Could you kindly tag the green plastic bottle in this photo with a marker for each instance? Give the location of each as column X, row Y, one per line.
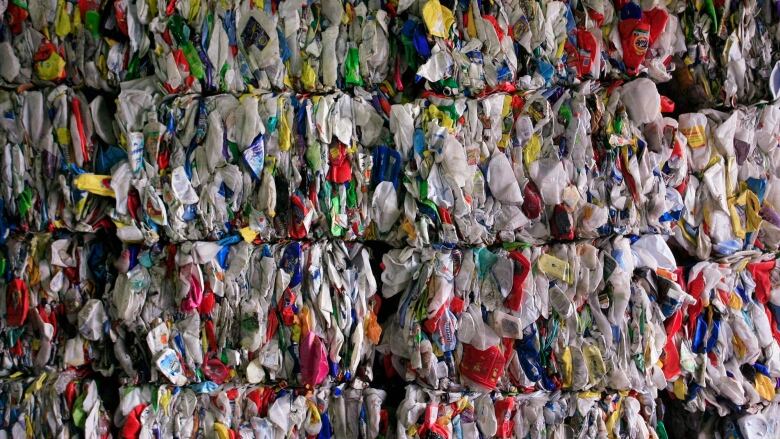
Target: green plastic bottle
column 196, row 65
column 181, row 34
column 353, row 67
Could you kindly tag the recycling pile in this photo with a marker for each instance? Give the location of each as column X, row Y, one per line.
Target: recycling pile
column 413, row 219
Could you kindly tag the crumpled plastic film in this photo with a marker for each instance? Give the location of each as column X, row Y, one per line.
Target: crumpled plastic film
column 616, row 315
